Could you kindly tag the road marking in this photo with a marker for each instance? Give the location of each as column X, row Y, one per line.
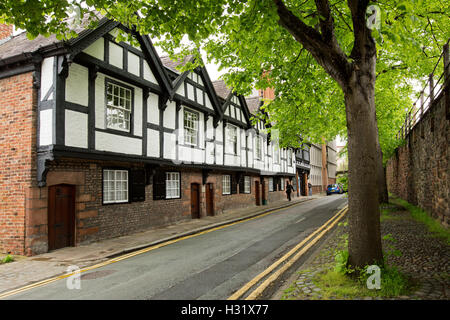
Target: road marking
column 325, row 227
column 300, row 220
column 135, row 253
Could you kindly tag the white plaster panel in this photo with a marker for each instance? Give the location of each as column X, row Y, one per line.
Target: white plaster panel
column 180, row 90
column 148, row 74
column 219, row 131
column 46, row 76
column 169, row 145
column 209, row 128
column 77, row 84
column 190, row 92
column 219, row 154
column 210, row 152
column 199, row 96
column 152, row 109
column 152, row 143
column 116, row 143
column 76, row 129
column 133, row 64
column 100, row 101
column 96, row 49
column 46, row 127
column 115, row 55
column 208, row 102
column 169, row 115
column 137, row 112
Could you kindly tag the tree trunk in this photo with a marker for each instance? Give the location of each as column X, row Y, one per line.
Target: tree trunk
column 364, row 242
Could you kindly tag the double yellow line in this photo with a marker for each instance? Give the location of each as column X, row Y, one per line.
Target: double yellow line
column 310, row 240
column 134, row 253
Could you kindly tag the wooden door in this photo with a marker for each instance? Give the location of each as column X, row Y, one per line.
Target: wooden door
column 195, row 201
column 61, row 216
column 263, row 192
column 257, row 194
column 209, row 195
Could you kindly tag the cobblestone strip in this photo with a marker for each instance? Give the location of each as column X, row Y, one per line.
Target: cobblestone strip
column 424, row 258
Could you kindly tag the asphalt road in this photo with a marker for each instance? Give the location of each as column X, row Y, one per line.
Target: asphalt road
column 208, row 266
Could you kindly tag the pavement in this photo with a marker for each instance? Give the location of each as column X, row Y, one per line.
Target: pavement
column 424, row 259
column 28, row 270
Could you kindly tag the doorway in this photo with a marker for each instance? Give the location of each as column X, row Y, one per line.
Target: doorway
column 195, row 201
column 61, row 216
column 209, row 195
column 257, row 194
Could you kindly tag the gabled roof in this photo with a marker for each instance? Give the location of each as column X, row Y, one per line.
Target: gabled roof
column 20, row 45
column 225, row 93
column 20, row 48
column 253, row 104
column 172, row 65
column 221, row 89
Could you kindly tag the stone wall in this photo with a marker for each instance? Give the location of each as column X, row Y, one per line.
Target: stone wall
column 419, row 170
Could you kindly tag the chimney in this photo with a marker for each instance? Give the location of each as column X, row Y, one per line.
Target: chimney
column 6, row 31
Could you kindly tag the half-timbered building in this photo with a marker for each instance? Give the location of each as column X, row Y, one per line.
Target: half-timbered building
column 101, row 138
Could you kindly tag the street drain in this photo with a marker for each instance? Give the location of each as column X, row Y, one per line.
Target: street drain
column 96, row 274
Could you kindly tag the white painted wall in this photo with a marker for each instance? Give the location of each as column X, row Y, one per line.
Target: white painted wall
column 152, row 109
column 152, row 143
column 46, row 127
column 96, row 49
column 115, row 55
column 100, row 101
column 169, row 115
column 133, row 64
column 46, row 77
column 137, row 113
column 76, row 129
column 148, row 75
column 77, row 84
column 115, row 143
column 169, row 145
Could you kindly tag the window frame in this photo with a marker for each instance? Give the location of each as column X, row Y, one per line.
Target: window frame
column 197, row 114
column 166, row 185
column 128, row 200
column 223, row 184
column 109, row 81
column 258, row 147
column 271, row 184
column 249, row 184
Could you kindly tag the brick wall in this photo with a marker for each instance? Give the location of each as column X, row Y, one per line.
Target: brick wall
column 96, row 221
column 17, row 157
column 6, row 30
column 419, row 171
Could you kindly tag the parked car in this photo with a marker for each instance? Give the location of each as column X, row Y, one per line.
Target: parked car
column 334, row 188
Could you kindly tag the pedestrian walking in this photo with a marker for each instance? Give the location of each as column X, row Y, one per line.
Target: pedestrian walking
column 310, row 188
column 289, row 190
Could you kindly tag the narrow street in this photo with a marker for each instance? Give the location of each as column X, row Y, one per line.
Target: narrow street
column 212, row 265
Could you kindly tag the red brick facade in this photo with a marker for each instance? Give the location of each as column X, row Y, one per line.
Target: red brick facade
column 18, row 159
column 96, row 221
column 6, row 30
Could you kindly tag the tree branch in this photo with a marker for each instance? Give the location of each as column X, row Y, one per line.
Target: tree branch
column 327, row 53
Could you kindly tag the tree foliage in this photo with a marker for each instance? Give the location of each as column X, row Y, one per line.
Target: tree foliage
column 246, row 38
